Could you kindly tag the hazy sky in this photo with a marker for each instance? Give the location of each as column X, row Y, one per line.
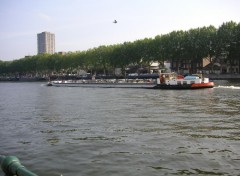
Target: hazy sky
column 83, row 24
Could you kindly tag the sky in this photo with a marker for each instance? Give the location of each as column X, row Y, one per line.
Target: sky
column 80, row 25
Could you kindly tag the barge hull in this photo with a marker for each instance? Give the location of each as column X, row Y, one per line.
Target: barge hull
column 104, row 85
column 187, row 86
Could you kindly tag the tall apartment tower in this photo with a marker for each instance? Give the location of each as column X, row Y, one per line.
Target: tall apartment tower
column 46, row 43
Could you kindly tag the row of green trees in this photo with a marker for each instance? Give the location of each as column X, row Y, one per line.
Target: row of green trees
column 194, row 44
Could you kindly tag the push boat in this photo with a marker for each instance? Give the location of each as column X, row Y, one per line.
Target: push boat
column 165, row 81
column 173, row 81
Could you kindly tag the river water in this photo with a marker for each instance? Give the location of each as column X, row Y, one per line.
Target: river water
column 121, row 132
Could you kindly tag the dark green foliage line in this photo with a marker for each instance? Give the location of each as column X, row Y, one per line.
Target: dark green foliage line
column 193, row 45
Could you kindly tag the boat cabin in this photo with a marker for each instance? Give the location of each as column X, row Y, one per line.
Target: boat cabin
column 174, row 79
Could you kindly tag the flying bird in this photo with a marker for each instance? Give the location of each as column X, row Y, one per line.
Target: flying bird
column 115, row 21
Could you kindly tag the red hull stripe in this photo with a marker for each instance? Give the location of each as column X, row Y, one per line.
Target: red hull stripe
column 210, row 84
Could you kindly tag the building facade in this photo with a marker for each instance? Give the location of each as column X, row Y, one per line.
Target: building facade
column 188, row 66
column 218, row 66
column 46, row 43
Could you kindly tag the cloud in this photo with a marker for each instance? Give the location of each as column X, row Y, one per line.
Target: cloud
column 44, row 17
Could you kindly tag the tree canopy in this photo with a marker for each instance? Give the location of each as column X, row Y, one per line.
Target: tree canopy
column 193, row 44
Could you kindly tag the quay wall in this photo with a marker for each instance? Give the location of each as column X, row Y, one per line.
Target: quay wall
column 35, row 79
column 222, row 76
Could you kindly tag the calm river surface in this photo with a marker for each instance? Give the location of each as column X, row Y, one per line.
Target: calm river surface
column 121, row 132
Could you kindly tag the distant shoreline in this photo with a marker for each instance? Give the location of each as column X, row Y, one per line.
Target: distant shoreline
column 39, row 79
column 222, row 76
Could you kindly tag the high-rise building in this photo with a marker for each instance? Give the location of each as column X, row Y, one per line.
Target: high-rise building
column 46, row 43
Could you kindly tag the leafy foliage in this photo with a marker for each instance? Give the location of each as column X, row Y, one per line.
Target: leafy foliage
column 193, row 45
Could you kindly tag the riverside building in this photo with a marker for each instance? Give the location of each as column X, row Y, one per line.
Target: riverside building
column 46, row 43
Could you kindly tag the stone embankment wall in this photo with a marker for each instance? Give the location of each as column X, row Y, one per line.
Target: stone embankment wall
column 223, row 76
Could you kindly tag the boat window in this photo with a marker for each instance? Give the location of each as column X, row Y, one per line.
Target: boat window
column 184, row 82
column 179, row 82
column 192, row 82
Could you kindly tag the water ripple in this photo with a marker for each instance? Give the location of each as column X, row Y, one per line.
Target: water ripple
column 88, row 131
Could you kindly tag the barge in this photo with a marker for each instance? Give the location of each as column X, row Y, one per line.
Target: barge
column 164, row 81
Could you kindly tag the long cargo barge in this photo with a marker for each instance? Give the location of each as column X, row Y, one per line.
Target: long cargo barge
column 164, row 81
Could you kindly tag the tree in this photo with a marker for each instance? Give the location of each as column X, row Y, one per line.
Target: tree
column 178, row 46
column 227, row 43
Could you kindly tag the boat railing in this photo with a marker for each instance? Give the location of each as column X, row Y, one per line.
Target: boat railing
column 11, row 166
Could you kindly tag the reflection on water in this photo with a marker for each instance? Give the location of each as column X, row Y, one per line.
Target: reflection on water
column 87, row 131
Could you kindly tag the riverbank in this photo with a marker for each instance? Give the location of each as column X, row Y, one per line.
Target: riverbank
column 23, row 79
column 37, row 79
column 222, row 76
